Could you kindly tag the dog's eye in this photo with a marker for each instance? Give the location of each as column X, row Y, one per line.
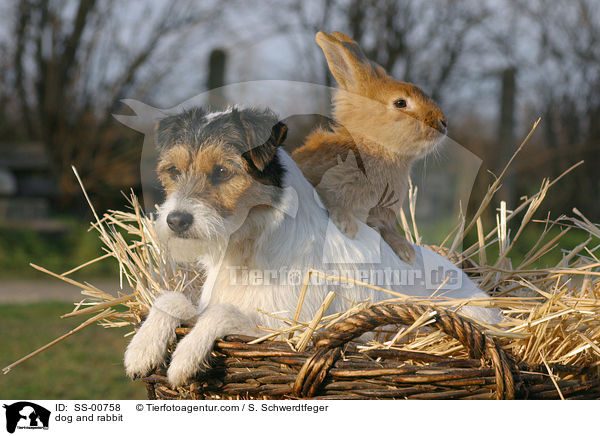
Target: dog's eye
column 173, row 172
column 400, row 103
column 220, row 174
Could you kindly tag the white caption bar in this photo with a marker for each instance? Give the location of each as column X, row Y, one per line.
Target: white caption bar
column 283, row 418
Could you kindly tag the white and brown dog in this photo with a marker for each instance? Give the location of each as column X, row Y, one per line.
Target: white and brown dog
column 238, row 204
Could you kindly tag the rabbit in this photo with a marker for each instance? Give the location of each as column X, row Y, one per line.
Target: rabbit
column 361, row 165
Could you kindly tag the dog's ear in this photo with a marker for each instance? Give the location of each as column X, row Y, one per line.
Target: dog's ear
column 279, row 133
column 263, row 154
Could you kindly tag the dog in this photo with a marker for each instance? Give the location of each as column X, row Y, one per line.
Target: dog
column 237, row 204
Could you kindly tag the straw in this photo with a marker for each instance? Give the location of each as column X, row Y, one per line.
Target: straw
column 551, row 313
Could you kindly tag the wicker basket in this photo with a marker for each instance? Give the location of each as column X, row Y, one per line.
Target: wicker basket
column 334, row 369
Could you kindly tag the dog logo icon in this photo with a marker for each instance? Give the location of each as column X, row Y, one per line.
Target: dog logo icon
column 26, row 415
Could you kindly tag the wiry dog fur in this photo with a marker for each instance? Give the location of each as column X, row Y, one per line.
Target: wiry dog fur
column 227, row 171
column 361, row 167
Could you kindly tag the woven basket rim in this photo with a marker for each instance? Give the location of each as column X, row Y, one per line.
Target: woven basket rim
column 508, row 377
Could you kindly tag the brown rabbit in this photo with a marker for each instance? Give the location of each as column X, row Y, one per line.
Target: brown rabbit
column 360, row 168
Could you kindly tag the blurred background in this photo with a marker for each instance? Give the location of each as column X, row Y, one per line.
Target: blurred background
column 493, row 66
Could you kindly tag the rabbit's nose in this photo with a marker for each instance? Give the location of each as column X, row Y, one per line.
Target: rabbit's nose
column 442, row 125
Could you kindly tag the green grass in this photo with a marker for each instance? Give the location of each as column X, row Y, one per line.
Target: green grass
column 88, row 365
column 56, row 252
column 527, row 241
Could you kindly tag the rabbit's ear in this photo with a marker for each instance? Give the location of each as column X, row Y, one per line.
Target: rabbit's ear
column 341, row 36
column 346, row 60
column 351, row 45
column 355, row 49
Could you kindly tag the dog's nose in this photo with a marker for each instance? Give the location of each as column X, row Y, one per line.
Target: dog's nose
column 179, row 221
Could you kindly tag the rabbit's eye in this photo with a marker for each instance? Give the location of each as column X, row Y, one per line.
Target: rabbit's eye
column 400, row 103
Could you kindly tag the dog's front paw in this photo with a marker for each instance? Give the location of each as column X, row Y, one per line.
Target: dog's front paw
column 344, row 221
column 401, row 246
column 148, row 348
column 190, row 358
column 144, row 353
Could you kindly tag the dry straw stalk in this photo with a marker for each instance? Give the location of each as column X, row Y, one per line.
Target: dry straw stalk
column 552, row 314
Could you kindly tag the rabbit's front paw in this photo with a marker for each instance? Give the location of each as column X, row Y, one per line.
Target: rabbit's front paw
column 401, row 246
column 190, row 358
column 344, row 221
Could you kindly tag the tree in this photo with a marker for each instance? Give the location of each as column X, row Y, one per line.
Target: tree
column 421, row 42
column 564, row 80
column 73, row 62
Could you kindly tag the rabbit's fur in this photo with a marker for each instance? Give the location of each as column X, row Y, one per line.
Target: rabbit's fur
column 360, row 168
